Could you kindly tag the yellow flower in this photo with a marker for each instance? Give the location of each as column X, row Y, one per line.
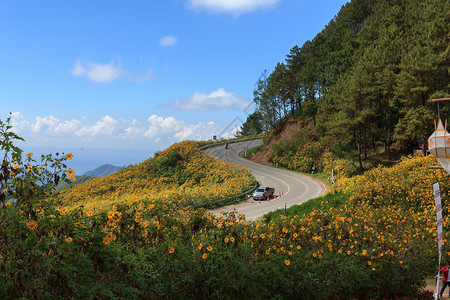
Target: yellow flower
column 106, row 240
column 268, row 251
column 171, row 249
column 287, row 262
column 232, row 239
column 72, row 178
column 70, row 172
column 30, row 154
column 16, row 167
column 7, row 204
column 226, row 240
column 204, row 256
column 209, row 248
column 69, row 240
column 32, row 225
column 69, row 155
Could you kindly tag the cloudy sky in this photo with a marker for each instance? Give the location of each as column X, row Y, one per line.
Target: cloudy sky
column 142, row 74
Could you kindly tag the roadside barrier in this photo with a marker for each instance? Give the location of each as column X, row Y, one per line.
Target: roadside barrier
column 230, row 142
column 226, row 199
column 235, row 196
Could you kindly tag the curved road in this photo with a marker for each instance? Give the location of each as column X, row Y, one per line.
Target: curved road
column 296, row 188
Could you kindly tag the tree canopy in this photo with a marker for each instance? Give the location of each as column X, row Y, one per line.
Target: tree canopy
column 367, row 77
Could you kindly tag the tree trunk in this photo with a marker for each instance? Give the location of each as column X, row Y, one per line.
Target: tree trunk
column 365, row 142
column 389, row 146
column 424, row 146
column 360, row 152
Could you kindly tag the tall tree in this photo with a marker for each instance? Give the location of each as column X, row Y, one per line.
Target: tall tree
column 253, row 125
column 265, row 100
column 368, row 76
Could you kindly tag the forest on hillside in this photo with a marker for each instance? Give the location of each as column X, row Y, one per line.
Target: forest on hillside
column 367, row 79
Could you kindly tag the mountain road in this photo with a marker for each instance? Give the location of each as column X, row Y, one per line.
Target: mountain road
column 295, row 188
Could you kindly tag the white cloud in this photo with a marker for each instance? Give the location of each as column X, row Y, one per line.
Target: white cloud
column 106, row 127
column 200, row 131
column 78, row 70
column 234, row 7
column 155, row 132
column 44, row 129
column 44, row 124
column 216, row 100
column 67, row 126
column 162, row 126
column 19, row 123
column 168, row 40
column 97, row 72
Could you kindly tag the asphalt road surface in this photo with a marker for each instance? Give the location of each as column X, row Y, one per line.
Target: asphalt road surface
column 295, row 188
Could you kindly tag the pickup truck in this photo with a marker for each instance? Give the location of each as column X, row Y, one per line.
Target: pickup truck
column 263, row 192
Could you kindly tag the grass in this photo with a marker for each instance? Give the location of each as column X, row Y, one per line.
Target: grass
column 251, row 151
column 331, row 200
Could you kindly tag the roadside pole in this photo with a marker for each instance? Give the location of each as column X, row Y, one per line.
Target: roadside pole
column 439, row 146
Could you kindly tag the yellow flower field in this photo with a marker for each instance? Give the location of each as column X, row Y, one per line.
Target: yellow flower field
column 181, row 174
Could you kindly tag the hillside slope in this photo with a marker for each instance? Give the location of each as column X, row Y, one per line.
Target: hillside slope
column 367, row 79
column 103, row 170
column 283, row 132
column 181, row 175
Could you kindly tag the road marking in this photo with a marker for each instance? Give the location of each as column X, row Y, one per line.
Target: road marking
column 248, row 207
column 288, row 201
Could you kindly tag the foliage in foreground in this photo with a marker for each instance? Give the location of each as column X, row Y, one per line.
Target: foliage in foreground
column 146, row 249
column 367, row 247
column 397, row 204
column 142, row 250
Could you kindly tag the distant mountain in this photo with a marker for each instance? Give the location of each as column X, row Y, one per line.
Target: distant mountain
column 62, row 185
column 103, row 170
column 89, row 175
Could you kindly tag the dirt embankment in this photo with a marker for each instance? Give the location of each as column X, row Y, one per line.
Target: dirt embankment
column 284, row 131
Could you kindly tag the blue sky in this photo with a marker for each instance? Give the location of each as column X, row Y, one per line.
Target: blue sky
column 138, row 74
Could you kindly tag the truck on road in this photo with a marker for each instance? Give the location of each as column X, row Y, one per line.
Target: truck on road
column 263, row 192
